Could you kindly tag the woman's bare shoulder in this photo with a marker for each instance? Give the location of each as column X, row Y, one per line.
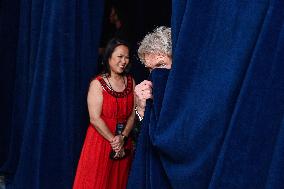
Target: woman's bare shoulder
column 95, row 85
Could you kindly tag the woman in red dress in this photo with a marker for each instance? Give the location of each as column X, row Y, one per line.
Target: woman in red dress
column 110, row 103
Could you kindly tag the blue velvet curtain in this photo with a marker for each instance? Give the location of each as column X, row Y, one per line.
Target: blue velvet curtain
column 147, row 170
column 221, row 120
column 57, row 55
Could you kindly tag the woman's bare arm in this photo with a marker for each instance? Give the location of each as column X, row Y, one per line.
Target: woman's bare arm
column 95, row 102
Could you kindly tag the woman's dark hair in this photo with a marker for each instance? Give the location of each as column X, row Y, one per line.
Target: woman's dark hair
column 111, row 45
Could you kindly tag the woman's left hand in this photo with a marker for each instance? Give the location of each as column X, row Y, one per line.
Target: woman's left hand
column 120, row 153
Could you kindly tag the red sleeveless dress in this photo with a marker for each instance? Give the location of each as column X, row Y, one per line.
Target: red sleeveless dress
column 95, row 169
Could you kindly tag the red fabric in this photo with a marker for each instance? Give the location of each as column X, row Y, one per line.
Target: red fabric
column 95, row 169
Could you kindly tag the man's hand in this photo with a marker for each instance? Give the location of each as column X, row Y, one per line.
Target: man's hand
column 143, row 91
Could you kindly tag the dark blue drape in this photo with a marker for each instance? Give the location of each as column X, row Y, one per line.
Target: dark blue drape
column 57, row 52
column 222, row 115
column 147, row 170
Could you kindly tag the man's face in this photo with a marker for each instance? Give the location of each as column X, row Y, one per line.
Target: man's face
column 153, row 61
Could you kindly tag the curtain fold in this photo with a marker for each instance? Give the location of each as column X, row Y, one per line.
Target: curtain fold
column 220, row 124
column 220, row 131
column 57, row 55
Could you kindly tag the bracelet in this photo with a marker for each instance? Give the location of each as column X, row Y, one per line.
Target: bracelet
column 137, row 113
column 124, row 138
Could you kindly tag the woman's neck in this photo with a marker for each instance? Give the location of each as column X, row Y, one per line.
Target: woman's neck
column 116, row 82
column 116, row 77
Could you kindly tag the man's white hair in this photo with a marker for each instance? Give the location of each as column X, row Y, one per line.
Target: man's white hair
column 157, row 42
